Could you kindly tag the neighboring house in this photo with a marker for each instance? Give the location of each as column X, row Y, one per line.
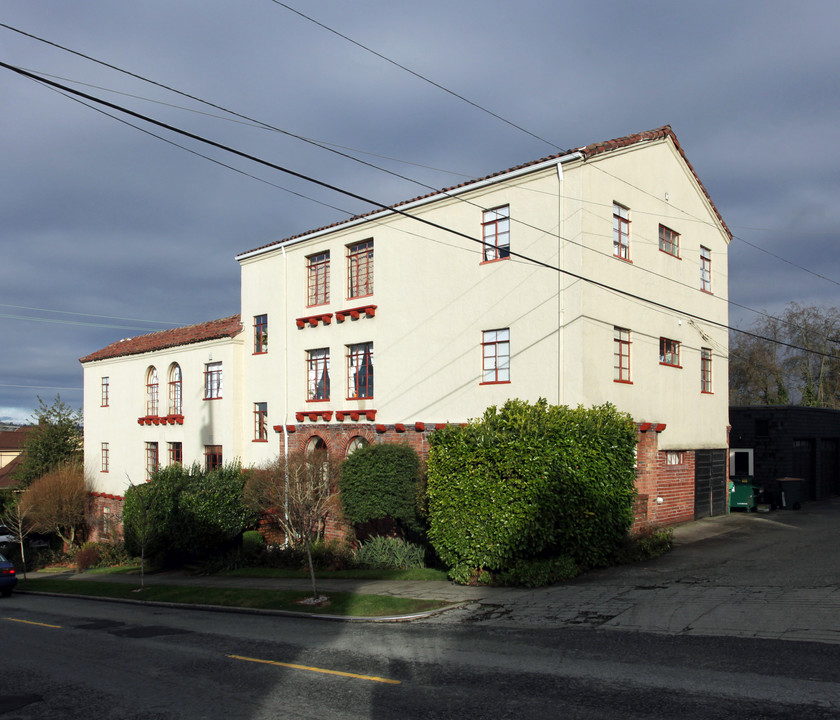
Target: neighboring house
column 770, row 442
column 12, row 442
column 599, row 275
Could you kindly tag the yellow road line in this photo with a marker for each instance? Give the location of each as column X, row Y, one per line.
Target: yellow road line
column 318, row 670
column 30, row 622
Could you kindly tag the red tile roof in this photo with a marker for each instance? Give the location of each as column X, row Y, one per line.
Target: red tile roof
column 14, row 439
column 214, row 330
column 587, row 151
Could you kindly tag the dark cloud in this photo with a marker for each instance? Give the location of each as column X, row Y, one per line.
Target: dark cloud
column 100, row 219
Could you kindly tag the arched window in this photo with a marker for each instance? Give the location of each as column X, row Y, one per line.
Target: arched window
column 152, row 391
column 356, row 443
column 315, row 443
column 175, row 390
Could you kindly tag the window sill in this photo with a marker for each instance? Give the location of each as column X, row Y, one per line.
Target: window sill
column 261, row 352
column 260, row 440
column 495, row 260
column 670, row 254
column 214, row 398
column 623, row 382
column 359, row 297
column 667, row 364
column 318, row 400
column 627, row 260
column 708, row 292
column 495, row 382
column 707, row 392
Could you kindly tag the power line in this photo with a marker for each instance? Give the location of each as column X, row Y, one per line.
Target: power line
column 354, row 195
column 417, row 75
column 388, row 208
column 324, row 145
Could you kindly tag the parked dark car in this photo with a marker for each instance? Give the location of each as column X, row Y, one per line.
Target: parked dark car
column 8, row 577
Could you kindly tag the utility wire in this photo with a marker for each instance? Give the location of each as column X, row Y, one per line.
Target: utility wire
column 323, row 145
column 417, row 75
column 393, row 209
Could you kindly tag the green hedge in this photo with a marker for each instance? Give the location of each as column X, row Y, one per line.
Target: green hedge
column 531, row 481
column 379, row 482
column 185, row 513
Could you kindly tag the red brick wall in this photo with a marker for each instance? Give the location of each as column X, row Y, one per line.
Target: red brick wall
column 655, row 479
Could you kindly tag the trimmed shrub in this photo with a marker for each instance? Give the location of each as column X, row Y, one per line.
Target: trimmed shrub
column 185, row 513
column 380, row 482
column 325, row 556
column 389, row 553
column 531, row 481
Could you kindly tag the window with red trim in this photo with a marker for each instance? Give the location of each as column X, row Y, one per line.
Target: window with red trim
column 495, row 352
column 674, row 457
column 152, row 391
column 495, row 231
column 212, row 381
column 669, row 241
column 176, row 394
column 318, row 374
column 360, row 371
column 318, row 269
column 669, row 352
column 705, row 269
column 705, row 370
column 152, row 460
column 106, row 457
column 260, row 421
column 621, row 231
column 260, row 334
column 360, row 269
column 212, row 457
column 106, row 392
column 176, row 453
column 621, row 354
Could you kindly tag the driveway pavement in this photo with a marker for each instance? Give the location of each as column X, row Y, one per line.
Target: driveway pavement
column 774, row 575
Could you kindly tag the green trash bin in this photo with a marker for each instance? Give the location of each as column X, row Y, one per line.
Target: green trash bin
column 743, row 494
column 793, row 492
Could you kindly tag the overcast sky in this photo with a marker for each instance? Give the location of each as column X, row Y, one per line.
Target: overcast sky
column 108, row 232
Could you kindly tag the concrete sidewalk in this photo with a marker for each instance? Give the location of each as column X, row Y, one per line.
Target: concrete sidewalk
column 743, row 574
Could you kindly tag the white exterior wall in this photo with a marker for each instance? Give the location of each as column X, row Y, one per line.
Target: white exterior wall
column 434, row 298
column 206, row 422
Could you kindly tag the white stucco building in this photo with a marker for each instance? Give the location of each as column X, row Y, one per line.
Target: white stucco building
column 595, row 276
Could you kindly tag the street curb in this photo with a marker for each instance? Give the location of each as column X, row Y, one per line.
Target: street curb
column 251, row 611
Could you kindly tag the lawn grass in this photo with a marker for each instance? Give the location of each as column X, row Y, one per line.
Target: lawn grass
column 339, row 603
column 427, row 574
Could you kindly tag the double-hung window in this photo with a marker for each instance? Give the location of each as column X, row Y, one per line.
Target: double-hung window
column 212, row 457
column 261, row 421
column 260, row 334
column 176, row 453
column 496, row 233
column 152, row 391
column 212, row 381
column 705, row 269
column 152, row 460
column 495, row 351
column 360, row 269
column 176, row 394
column 360, row 371
column 706, row 370
column 621, row 355
column 621, row 231
column 318, row 270
column 318, row 374
column 669, row 241
column 669, row 352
